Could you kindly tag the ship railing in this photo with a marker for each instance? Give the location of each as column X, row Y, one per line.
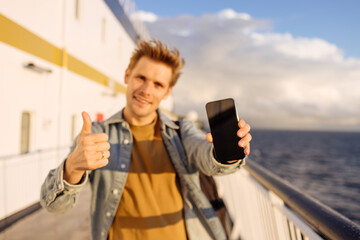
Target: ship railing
column 264, row 206
column 21, row 176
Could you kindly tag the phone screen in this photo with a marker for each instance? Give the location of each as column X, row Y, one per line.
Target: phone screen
column 223, row 123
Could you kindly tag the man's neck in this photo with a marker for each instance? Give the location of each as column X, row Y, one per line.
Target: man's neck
column 138, row 121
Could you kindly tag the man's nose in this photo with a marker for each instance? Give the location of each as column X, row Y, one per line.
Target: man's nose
column 146, row 87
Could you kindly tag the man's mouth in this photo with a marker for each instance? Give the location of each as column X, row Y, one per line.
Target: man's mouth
column 142, row 100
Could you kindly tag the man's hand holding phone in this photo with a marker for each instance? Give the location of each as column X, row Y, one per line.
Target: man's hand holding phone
column 243, row 133
column 230, row 136
column 91, row 152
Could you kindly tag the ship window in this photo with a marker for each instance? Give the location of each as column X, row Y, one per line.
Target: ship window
column 25, row 133
column 73, row 127
column 103, row 30
column 77, row 9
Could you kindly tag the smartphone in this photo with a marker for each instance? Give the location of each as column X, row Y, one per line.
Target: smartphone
column 223, row 122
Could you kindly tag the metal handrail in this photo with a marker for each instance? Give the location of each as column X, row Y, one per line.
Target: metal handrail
column 327, row 221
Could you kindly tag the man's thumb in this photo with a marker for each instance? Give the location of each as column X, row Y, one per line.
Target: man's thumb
column 86, row 123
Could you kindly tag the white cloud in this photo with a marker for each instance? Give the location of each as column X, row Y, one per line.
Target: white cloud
column 144, row 16
column 181, row 32
column 231, row 14
column 303, row 48
column 277, row 80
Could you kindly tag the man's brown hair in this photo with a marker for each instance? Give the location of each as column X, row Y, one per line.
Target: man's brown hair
column 157, row 51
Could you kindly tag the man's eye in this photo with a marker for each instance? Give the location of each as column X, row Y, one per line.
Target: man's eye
column 159, row 84
column 141, row 78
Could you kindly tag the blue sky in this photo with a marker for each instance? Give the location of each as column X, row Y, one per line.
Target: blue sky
column 288, row 66
column 335, row 21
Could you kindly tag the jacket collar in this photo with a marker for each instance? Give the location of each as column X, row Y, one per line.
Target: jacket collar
column 116, row 118
column 166, row 121
column 119, row 118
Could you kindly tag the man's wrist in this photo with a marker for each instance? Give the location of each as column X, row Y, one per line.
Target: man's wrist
column 72, row 176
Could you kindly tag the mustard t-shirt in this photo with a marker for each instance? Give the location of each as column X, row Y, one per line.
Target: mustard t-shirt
column 151, row 206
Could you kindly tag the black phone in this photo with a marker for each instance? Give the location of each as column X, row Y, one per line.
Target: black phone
column 223, row 121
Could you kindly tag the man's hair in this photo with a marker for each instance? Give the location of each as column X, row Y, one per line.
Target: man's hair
column 159, row 52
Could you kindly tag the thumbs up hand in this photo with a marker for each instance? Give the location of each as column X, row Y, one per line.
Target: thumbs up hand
column 91, row 152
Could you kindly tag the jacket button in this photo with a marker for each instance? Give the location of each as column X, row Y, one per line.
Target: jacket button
column 115, row 191
column 108, row 214
column 126, row 141
column 122, row 165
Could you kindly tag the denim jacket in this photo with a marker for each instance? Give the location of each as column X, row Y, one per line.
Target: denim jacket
column 188, row 153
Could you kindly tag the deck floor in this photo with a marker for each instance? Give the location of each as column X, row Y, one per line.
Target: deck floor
column 42, row 225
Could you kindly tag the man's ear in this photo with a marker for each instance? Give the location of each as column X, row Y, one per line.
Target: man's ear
column 126, row 77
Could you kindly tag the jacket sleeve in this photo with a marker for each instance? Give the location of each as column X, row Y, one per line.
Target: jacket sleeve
column 200, row 152
column 56, row 194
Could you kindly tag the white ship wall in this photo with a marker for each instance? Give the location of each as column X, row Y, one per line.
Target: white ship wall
column 53, row 98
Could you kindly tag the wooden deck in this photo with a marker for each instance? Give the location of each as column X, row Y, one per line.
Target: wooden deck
column 42, row 225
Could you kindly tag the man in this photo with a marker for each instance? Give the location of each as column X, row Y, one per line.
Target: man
column 143, row 167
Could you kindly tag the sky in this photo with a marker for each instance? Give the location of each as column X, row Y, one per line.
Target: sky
column 287, row 65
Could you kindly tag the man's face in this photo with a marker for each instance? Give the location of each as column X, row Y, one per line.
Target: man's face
column 148, row 84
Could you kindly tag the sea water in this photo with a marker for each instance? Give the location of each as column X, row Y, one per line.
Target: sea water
column 325, row 165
